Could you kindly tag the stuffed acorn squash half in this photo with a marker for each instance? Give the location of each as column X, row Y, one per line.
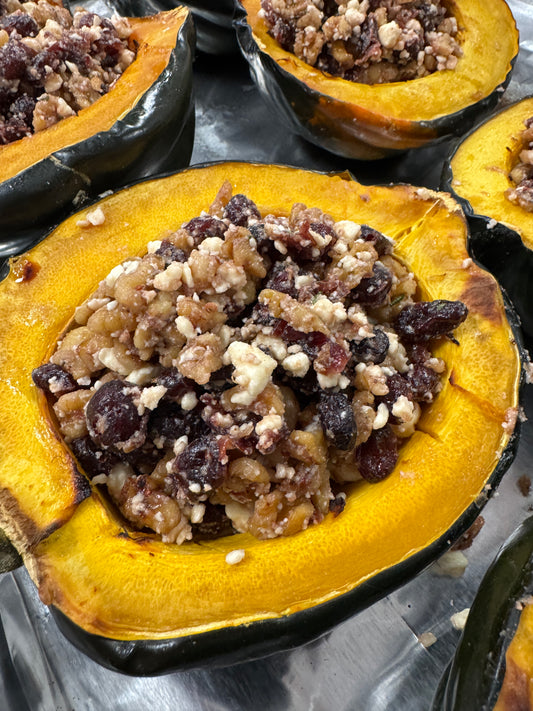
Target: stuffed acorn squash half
column 144, row 592
column 488, row 173
column 493, row 665
column 144, row 123
column 377, row 116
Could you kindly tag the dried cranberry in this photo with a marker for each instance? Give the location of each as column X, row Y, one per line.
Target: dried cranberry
column 53, row 379
column 23, row 108
column 200, row 463
column 21, row 23
column 205, row 226
column 112, row 417
column 168, row 422
column 425, row 320
column 175, row 383
column 423, row 382
column 372, row 349
column 373, row 290
column 377, row 457
column 171, row 253
column 13, row 129
column 381, row 244
column 93, row 460
column 398, row 386
column 14, row 58
column 282, row 278
column 337, row 420
column 240, row 210
column 336, row 505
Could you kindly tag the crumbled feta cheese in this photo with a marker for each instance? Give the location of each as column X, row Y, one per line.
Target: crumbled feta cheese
column 331, row 312
column 296, row 364
column 189, row 401
column 94, row 218
column 459, row 619
column 169, row 279
column 151, row 396
column 234, row 557
column 141, row 376
column 253, row 369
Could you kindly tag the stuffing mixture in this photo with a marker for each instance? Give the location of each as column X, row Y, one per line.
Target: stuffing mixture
column 245, row 369
column 53, row 63
column 368, row 41
column 521, row 175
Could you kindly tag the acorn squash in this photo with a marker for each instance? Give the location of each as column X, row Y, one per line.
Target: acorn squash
column 366, row 122
column 144, row 123
column 477, row 173
column 492, row 667
column 142, row 606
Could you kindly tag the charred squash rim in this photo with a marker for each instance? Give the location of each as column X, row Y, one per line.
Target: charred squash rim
column 394, row 116
column 144, row 121
column 185, row 606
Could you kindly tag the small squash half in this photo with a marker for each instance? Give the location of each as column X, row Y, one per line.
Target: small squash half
column 492, row 667
column 477, row 173
column 371, row 121
column 143, row 124
column 142, row 606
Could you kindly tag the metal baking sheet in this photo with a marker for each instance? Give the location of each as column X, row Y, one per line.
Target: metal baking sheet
column 379, row 659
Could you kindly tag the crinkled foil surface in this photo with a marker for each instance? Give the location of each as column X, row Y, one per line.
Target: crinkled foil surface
column 379, row 660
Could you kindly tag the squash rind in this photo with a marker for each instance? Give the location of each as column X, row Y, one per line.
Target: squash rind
column 154, row 134
column 366, row 122
column 196, row 598
column 476, row 174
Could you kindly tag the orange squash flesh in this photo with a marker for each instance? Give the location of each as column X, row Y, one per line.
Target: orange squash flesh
column 126, row 585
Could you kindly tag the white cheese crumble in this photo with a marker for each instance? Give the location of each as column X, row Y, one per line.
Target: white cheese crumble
column 297, row 364
column 189, row 401
column 94, row 218
column 253, row 369
column 151, row 396
column 459, row 619
column 332, row 313
column 141, row 376
column 234, row 557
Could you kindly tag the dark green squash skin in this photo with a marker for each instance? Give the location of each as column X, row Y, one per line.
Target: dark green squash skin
column 243, row 643
column 156, row 134
column 475, row 674
column 297, row 103
column 501, row 251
